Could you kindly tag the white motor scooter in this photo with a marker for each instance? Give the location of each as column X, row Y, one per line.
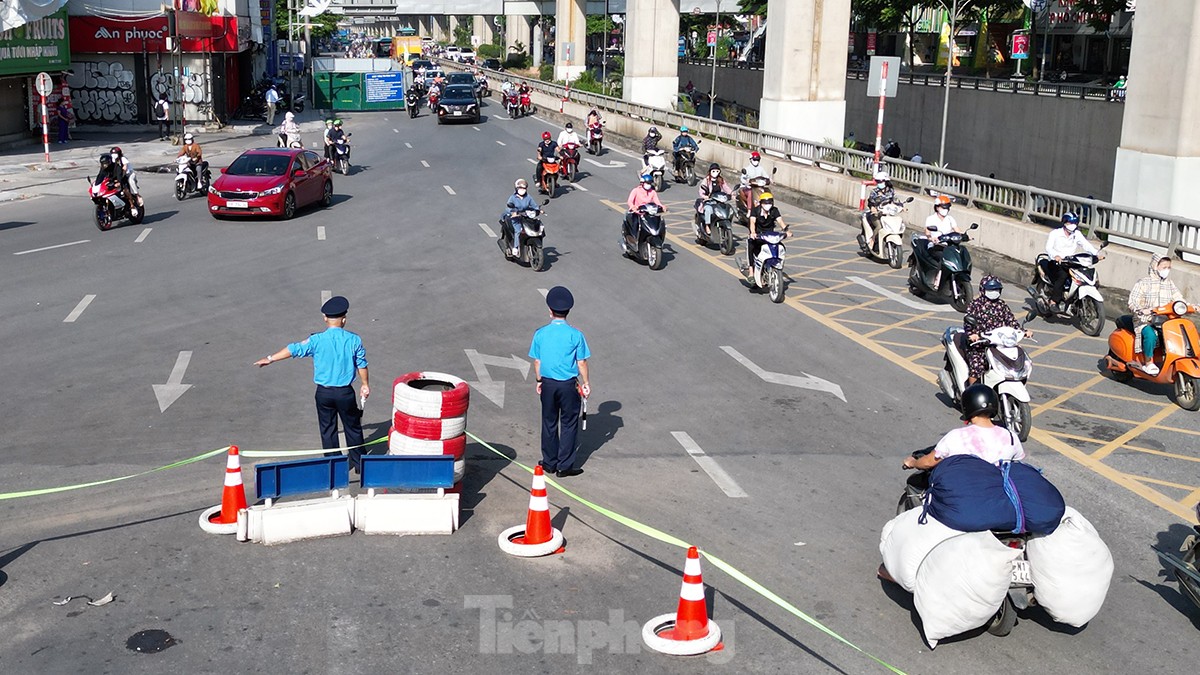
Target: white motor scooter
column 1008, row 371
column 889, row 240
column 656, row 166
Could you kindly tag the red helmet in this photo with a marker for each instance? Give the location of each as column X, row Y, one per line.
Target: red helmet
column 545, row 135
column 755, row 155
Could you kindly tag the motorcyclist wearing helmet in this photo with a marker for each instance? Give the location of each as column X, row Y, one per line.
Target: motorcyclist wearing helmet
column 337, row 133
column 289, row 131
column 640, row 196
column 713, row 183
column 683, row 140
column 1148, row 293
column 130, row 177
column 518, row 201
column 547, row 150
column 764, row 217
column 881, row 194
column 594, row 119
column 112, row 171
column 986, row 312
column 568, row 136
column 1063, row 242
column 329, row 128
column 979, row 437
column 751, row 171
column 192, row 149
column 941, row 222
column 649, row 144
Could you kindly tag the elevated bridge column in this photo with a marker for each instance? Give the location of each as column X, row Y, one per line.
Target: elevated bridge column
column 1158, row 160
column 570, row 39
column 652, row 52
column 423, row 26
column 516, row 29
column 804, row 74
column 441, row 28
column 482, row 28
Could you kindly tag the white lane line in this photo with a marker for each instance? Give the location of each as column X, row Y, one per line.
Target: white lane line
column 395, row 131
column 142, row 237
column 475, row 128
column 83, row 304
column 907, row 302
column 48, row 248
column 544, row 291
column 501, row 143
column 531, row 160
column 578, row 187
column 710, row 466
column 325, row 296
column 487, row 230
column 320, row 233
column 408, row 145
column 449, row 190
column 425, row 164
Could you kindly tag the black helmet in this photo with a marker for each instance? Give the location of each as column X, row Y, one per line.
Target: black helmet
column 990, row 283
column 106, row 161
column 714, row 167
column 979, row 399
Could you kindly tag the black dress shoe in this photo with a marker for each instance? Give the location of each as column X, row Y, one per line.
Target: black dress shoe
column 567, row 473
column 546, row 469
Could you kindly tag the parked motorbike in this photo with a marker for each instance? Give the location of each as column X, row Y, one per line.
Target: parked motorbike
column 187, row 181
column 595, row 139
column 720, row 225
column 949, row 277
column 1175, row 356
column 531, row 233
column 413, row 103
column 1082, row 301
column 341, row 155
column 656, row 166
column 1020, row 590
column 113, row 204
column 513, row 105
column 646, row 243
column 766, row 270
column 686, row 169
column 889, row 239
column 748, row 197
column 1007, row 373
column 570, row 161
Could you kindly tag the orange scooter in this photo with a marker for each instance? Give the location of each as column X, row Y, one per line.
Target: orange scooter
column 550, row 169
column 1175, row 356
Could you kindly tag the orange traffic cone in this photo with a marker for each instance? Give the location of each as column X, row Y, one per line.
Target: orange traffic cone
column 537, row 537
column 222, row 519
column 688, row 631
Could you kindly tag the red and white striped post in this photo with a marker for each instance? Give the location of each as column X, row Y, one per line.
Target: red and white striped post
column 43, row 85
column 883, row 76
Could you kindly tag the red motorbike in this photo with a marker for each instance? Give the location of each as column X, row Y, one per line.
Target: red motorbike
column 113, row 203
column 526, row 104
column 513, row 104
column 595, row 139
column 433, row 101
column 570, row 161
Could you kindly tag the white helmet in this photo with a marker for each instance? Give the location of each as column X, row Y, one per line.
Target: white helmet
column 521, row 184
column 881, row 176
column 288, row 116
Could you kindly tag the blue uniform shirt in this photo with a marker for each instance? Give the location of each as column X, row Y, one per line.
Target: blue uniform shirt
column 336, row 353
column 559, row 347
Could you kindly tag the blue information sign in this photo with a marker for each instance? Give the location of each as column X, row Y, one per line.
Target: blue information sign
column 383, row 87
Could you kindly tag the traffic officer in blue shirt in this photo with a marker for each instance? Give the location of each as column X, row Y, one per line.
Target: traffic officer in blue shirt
column 337, row 354
column 560, row 355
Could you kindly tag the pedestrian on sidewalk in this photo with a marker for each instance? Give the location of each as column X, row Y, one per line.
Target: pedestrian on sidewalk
column 560, row 367
column 337, row 356
column 64, row 115
column 162, row 112
column 272, row 98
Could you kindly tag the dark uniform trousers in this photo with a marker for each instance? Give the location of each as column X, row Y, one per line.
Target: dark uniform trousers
column 334, row 402
column 560, row 423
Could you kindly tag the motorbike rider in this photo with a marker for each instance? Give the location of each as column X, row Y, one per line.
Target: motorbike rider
column 640, row 196
column 979, row 436
column 683, row 140
column 941, row 222
column 594, row 119
column 749, row 172
column 649, row 144
column 714, row 182
column 329, row 128
column 568, row 136
column 289, row 131
column 1063, row 242
column 112, row 171
column 546, row 150
column 192, row 149
column 1148, row 293
column 337, row 133
column 985, row 313
column 881, row 194
column 507, row 87
column 129, row 180
column 764, row 217
column 518, row 201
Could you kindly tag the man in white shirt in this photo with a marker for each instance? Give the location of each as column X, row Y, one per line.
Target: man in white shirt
column 1063, row 242
column 941, row 222
column 568, row 135
column 272, row 98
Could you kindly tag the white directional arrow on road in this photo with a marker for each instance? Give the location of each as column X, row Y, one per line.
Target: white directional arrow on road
column 612, row 164
column 174, row 388
column 805, row 381
column 485, row 384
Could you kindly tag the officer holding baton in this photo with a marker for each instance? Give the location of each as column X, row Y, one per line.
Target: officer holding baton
column 560, row 355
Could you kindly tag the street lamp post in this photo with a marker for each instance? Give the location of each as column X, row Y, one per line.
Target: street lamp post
column 712, row 85
column 949, row 66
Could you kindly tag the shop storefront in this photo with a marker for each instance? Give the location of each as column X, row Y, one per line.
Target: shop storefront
column 1072, row 46
column 37, row 46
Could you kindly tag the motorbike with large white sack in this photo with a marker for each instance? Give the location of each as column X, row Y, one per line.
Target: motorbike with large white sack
column 1008, row 372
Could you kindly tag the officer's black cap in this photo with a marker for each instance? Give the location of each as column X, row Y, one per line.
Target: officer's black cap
column 559, row 299
column 335, row 307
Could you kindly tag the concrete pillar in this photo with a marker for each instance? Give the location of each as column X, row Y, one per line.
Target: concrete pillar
column 570, row 39
column 423, row 28
column 516, row 29
column 536, row 50
column 441, row 28
column 652, row 52
column 804, row 73
column 482, row 28
column 1158, row 160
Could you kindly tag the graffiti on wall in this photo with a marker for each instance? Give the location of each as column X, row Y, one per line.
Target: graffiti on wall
column 103, row 91
column 195, row 86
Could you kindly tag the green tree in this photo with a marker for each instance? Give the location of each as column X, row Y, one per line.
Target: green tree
column 758, row 7
column 324, row 24
column 599, row 24
column 462, row 31
column 1101, row 12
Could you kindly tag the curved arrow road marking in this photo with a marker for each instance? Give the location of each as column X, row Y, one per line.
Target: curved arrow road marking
column 907, row 302
column 174, row 388
column 805, row 382
column 612, row 164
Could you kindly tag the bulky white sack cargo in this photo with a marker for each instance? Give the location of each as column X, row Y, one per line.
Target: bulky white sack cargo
column 1071, row 570
column 905, row 542
column 962, row 583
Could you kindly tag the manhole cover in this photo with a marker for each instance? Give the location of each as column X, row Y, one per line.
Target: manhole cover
column 150, row 641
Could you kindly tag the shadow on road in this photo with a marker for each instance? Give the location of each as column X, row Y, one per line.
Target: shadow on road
column 154, row 217
column 14, row 225
column 482, row 466
column 603, row 425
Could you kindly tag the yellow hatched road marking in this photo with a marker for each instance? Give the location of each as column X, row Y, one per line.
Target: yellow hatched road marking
column 1190, row 500
column 1066, row 395
column 1164, row 483
column 899, row 324
column 1135, row 432
column 1061, row 341
column 1089, row 392
column 854, row 307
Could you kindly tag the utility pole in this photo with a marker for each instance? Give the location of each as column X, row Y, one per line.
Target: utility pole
column 712, row 87
column 949, row 66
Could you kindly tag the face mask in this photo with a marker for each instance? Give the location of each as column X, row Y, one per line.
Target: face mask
column 1163, row 274
column 1071, row 227
column 754, row 162
column 942, row 211
column 714, row 174
column 521, row 191
column 992, row 295
column 648, row 186
column 114, row 156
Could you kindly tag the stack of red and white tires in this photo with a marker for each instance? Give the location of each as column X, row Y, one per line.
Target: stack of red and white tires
column 429, row 417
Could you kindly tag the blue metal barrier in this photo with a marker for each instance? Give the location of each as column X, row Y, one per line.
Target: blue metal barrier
column 302, row 476
column 407, row 472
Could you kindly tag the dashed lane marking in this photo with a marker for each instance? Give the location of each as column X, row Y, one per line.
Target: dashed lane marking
column 575, row 186
column 487, row 230
column 718, row 475
column 425, row 164
column 83, row 304
column 320, row 233
column 325, row 296
column 544, row 291
column 395, row 131
column 475, row 128
column 50, row 248
column 142, row 237
column 449, row 190
column 408, row 145
column 501, row 143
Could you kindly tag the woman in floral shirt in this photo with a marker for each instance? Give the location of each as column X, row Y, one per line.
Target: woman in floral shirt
column 986, row 312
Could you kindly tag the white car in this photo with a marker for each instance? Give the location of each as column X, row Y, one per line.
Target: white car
column 466, row 55
column 452, row 53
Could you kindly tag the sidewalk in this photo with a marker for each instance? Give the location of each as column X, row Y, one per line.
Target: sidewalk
column 23, row 168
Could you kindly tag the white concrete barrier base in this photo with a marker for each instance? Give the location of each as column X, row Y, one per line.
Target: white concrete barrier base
column 407, row 513
column 295, row 521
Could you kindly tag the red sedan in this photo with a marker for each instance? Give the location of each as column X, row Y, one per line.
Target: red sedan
column 270, row 181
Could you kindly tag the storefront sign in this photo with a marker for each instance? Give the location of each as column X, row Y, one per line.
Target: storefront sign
column 37, row 45
column 193, row 24
column 98, row 35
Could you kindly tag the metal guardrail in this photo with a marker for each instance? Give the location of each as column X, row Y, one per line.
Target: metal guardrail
column 722, row 63
column 1021, row 202
column 1044, row 88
